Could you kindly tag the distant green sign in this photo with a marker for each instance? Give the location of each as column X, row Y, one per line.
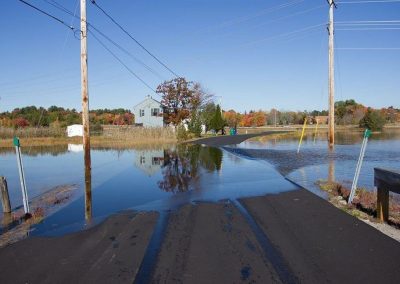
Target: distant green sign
column 16, row 141
column 367, row 133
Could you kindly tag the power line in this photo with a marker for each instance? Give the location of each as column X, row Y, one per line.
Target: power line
column 367, row 29
column 134, row 39
column 368, row 22
column 47, row 14
column 368, row 48
column 120, row 61
column 291, row 15
column 57, row 5
column 126, row 52
column 285, row 34
column 260, row 13
column 368, row 2
column 65, row 10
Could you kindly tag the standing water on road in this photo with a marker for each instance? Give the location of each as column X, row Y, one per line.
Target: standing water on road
column 168, row 177
column 156, row 179
column 316, row 162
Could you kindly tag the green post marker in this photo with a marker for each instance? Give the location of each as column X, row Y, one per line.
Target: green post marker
column 25, row 199
column 16, row 141
column 367, row 134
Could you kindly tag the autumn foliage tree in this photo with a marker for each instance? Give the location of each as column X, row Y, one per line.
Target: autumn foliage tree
column 179, row 98
column 252, row 118
column 232, row 118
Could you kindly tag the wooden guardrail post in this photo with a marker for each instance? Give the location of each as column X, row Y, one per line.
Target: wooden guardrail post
column 385, row 180
column 5, row 199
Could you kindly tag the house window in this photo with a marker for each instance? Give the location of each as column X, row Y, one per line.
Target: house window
column 156, row 161
column 155, row 111
column 142, row 160
column 141, row 112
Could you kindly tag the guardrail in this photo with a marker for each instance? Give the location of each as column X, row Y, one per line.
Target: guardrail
column 385, row 180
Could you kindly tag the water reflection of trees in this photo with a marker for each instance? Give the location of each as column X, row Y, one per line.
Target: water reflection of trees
column 183, row 166
column 34, row 151
column 55, row 150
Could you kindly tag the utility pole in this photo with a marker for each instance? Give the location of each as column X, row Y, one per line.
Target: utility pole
column 331, row 126
column 84, row 80
column 85, row 111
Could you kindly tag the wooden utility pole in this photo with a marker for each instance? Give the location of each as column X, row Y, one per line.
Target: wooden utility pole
column 84, row 81
column 85, row 112
column 331, row 126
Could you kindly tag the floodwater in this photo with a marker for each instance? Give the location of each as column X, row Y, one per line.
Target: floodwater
column 168, row 177
column 316, row 162
column 157, row 179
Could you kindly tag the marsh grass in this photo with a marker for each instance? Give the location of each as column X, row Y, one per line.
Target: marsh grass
column 119, row 137
column 29, row 132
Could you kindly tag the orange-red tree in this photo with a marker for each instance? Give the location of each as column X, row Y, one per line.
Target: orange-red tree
column 179, row 98
column 232, row 118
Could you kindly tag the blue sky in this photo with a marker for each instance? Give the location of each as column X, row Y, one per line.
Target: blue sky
column 254, row 54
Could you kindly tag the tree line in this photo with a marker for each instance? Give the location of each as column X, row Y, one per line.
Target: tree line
column 188, row 103
column 60, row 117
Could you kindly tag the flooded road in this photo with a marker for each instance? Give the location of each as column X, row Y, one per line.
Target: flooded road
column 169, row 177
column 316, row 162
column 229, row 207
column 158, row 179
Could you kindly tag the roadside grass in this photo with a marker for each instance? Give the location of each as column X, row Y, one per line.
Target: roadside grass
column 364, row 202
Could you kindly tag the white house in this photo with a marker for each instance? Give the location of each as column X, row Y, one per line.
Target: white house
column 75, row 130
column 149, row 113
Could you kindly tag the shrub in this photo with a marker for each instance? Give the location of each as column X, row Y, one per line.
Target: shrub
column 181, row 133
column 195, row 124
column 372, row 120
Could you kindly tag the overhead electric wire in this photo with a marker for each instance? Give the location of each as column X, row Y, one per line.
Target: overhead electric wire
column 65, row 10
column 291, row 15
column 368, row 48
column 90, row 26
column 374, row 25
column 57, row 5
column 367, row 2
column 367, row 29
column 47, row 14
column 134, row 39
column 121, row 62
column 285, row 34
column 368, row 22
column 260, row 13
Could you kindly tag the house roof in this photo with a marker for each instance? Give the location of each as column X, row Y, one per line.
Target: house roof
column 146, row 99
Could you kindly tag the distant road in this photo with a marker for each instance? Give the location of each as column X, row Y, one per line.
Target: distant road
column 224, row 140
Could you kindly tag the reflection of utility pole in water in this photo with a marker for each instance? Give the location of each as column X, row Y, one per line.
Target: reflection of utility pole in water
column 85, row 114
column 331, row 171
column 88, row 187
